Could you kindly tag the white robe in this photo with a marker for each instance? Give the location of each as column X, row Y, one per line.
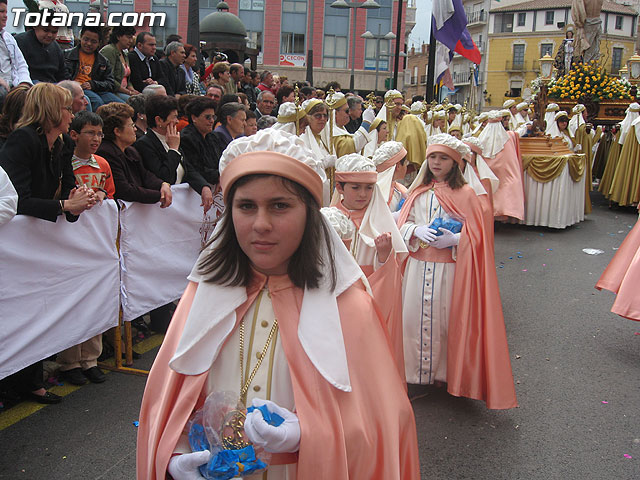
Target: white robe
column 427, row 289
column 272, row 380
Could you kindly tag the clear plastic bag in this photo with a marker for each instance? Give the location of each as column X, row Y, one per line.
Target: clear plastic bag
column 219, row 427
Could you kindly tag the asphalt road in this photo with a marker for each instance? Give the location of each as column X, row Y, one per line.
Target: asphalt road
column 569, row 355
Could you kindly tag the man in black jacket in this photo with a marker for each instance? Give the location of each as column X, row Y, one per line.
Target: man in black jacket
column 173, row 77
column 43, row 54
column 144, row 66
column 159, row 148
column 88, row 67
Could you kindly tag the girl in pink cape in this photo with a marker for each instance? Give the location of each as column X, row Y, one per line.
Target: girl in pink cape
column 453, row 326
column 276, row 314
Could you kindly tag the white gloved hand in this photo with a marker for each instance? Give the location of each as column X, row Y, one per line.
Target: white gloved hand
column 368, row 115
column 578, row 147
column 425, row 233
column 447, row 239
column 185, row 467
column 284, row 438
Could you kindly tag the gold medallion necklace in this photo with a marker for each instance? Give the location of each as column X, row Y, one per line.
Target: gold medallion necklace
column 232, row 433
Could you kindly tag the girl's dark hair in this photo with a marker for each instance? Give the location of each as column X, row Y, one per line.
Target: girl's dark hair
column 228, row 265
column 454, row 178
column 119, row 31
column 199, row 105
column 12, row 108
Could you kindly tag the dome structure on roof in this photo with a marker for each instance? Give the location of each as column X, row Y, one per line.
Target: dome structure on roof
column 223, row 25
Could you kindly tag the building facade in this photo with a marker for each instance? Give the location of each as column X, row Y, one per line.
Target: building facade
column 521, row 33
column 284, row 30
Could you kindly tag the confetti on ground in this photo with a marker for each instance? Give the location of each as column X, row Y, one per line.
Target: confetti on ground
column 544, row 264
column 637, row 333
column 542, row 234
column 519, row 256
column 626, row 455
column 518, row 357
column 525, row 270
column 501, row 266
column 549, row 249
column 592, row 251
column 510, row 258
column 519, row 253
column 136, row 423
column 604, row 401
column 620, row 231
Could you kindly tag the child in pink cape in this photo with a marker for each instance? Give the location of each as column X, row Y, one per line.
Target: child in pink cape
column 276, row 284
column 452, row 315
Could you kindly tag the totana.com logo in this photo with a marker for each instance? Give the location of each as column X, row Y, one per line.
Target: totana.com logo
column 48, row 18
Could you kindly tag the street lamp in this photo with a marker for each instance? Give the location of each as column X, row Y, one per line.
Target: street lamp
column 370, row 36
column 367, row 4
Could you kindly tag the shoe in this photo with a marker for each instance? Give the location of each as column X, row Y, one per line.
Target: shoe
column 47, row 399
column 74, row 376
column 95, row 375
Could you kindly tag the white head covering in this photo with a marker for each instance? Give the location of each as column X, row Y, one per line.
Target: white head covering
column 632, row 113
column 385, row 152
column 480, row 119
column 484, row 171
column 576, row 119
column 549, row 115
column 439, row 139
column 555, row 132
column 212, row 316
column 339, row 222
column 287, row 118
column 494, row 136
column 508, row 104
column 636, row 126
column 417, row 108
column 377, row 218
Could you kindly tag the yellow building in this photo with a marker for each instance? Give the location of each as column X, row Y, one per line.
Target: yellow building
column 521, row 33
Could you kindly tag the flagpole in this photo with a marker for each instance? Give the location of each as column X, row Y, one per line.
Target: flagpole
column 431, row 68
column 399, row 40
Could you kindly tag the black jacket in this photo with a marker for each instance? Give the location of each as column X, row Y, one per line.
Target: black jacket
column 41, row 177
column 172, row 78
column 164, row 164
column 46, row 64
column 202, row 153
column 101, row 76
column 140, row 72
column 133, row 182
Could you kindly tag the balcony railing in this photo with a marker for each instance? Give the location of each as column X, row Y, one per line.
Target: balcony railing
column 515, row 66
column 413, row 80
column 461, row 78
column 476, row 17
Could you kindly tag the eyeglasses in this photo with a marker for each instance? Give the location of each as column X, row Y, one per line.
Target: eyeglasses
column 209, row 117
column 69, row 109
column 93, row 134
column 320, row 116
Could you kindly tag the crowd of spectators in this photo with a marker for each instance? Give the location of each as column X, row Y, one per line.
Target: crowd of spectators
column 101, row 117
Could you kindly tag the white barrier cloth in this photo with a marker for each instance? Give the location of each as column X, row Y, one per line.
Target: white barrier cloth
column 157, row 258
column 59, row 284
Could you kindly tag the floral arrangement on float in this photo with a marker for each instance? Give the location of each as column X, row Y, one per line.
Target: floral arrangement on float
column 589, row 79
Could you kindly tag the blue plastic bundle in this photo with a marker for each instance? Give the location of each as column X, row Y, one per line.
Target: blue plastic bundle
column 449, row 224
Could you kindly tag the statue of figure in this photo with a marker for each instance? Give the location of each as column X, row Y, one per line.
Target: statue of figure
column 586, row 16
column 564, row 57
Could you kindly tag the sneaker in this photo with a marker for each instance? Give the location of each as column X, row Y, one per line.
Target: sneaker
column 74, row 376
column 95, row 375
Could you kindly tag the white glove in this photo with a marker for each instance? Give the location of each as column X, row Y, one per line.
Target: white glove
column 425, row 233
column 447, row 239
column 284, row 438
column 578, row 147
column 185, row 467
column 368, row 115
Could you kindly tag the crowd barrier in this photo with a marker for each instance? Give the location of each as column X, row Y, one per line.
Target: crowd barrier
column 63, row 283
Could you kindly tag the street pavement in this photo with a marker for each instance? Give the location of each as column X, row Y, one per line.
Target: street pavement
column 575, row 364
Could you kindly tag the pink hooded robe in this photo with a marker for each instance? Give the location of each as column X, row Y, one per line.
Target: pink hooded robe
column 478, row 364
column 368, row 433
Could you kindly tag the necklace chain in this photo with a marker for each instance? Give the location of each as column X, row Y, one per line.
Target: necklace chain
column 244, row 385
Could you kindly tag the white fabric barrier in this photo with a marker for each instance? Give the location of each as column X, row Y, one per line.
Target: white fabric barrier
column 158, row 247
column 59, row 282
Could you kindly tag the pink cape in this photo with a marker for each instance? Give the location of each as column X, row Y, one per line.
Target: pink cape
column 367, row 433
column 478, row 364
column 622, row 276
column 508, row 200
